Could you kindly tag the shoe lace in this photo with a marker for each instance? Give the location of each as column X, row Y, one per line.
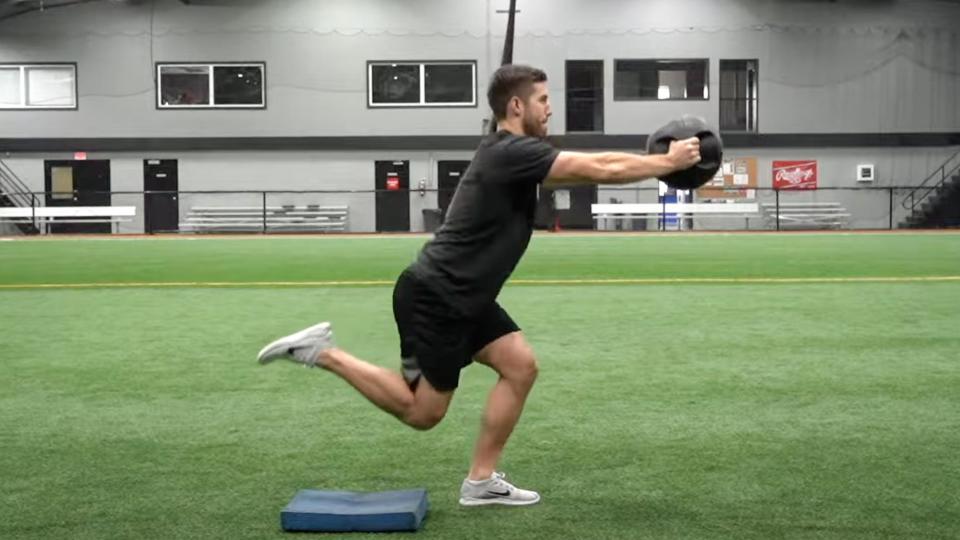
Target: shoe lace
column 499, row 480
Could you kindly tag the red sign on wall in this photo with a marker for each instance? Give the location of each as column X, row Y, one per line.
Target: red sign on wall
column 393, row 184
column 795, row 175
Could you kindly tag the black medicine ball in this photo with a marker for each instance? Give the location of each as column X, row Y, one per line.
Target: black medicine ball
column 711, row 151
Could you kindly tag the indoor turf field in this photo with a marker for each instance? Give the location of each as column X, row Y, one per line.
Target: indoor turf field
column 691, row 386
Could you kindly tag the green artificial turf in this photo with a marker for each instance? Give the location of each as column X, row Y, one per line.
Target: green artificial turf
column 669, row 410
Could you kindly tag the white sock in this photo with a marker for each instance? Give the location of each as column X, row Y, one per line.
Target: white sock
column 478, row 482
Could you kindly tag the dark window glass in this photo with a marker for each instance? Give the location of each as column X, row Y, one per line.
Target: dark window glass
column 584, row 95
column 238, row 85
column 184, row 85
column 395, row 83
column 738, row 95
column 448, row 83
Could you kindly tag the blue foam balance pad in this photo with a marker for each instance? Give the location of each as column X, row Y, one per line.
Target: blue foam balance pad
column 342, row 511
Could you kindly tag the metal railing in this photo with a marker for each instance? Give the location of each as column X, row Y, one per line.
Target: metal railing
column 861, row 208
column 932, row 183
column 14, row 188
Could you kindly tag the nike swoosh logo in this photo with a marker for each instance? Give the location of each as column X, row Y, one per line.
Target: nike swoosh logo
column 504, row 494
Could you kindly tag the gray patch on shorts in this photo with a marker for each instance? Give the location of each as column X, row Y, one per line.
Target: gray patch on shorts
column 411, row 369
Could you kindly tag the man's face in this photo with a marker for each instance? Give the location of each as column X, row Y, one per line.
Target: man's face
column 536, row 111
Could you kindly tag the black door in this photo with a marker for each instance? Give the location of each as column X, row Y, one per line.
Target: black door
column 448, row 177
column 161, row 211
column 578, row 216
column 77, row 183
column 393, row 196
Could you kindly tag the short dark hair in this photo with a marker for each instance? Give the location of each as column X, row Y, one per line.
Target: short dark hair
column 511, row 80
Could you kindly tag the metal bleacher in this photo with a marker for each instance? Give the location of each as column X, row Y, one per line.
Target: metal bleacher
column 806, row 215
column 285, row 218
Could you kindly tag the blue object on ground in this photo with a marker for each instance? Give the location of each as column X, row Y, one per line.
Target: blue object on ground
column 341, row 511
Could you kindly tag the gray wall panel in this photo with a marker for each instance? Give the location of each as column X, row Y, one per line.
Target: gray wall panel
column 824, row 67
column 354, row 171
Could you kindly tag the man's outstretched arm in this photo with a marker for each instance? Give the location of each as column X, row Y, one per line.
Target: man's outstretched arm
column 621, row 167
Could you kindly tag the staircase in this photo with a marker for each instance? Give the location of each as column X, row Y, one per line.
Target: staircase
column 935, row 203
column 14, row 193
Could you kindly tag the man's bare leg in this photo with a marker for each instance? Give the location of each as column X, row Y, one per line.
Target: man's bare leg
column 421, row 409
column 512, row 358
column 313, row 346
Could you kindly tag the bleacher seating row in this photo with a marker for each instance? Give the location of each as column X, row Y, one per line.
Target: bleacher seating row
column 806, row 215
column 791, row 215
column 285, row 218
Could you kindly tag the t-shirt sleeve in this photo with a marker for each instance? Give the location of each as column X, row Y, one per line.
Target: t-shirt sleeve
column 528, row 159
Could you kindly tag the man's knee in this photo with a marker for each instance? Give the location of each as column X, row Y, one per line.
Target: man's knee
column 513, row 358
column 527, row 368
column 424, row 419
column 522, row 369
column 428, row 406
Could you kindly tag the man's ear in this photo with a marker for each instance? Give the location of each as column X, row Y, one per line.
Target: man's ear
column 515, row 105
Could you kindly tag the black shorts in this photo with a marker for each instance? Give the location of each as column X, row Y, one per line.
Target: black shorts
column 434, row 340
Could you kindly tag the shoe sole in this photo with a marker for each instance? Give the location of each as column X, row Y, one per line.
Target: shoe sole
column 504, row 502
column 278, row 348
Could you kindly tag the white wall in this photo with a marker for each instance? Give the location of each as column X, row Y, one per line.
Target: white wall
column 848, row 66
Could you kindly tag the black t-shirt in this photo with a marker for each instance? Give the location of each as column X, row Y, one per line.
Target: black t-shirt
column 489, row 222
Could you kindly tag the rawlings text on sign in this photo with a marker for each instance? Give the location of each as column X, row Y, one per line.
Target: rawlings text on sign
column 795, row 175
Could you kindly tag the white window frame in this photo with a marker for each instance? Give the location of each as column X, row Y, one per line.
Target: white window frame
column 210, row 80
column 23, row 105
column 423, row 88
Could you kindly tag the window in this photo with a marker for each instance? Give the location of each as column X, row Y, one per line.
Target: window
column 395, row 84
column 661, row 80
column 584, row 95
column 422, row 84
column 211, row 86
column 738, row 95
column 62, row 183
column 38, row 86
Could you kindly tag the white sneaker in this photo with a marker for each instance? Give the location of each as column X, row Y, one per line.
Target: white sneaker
column 303, row 347
column 495, row 490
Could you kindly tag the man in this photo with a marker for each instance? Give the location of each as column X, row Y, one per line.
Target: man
column 445, row 302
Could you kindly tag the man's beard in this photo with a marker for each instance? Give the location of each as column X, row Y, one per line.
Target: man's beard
column 533, row 127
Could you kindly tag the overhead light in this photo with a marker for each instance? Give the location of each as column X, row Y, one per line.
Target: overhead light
column 663, row 92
